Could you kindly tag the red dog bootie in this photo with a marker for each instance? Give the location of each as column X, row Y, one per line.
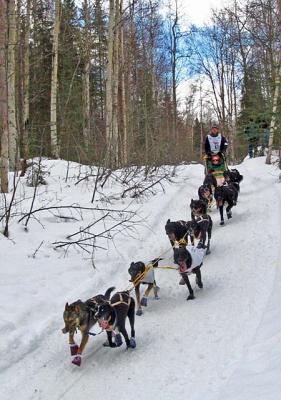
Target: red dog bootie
column 77, row 360
column 73, row 349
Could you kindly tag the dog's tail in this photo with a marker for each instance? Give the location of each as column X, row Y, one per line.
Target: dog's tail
column 107, row 293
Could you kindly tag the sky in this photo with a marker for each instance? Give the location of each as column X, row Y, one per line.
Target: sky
column 198, row 11
column 228, row 337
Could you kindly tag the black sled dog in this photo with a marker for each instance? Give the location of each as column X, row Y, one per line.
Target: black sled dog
column 112, row 315
column 225, row 194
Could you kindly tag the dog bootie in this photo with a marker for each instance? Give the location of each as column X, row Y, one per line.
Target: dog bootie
column 190, row 297
column 139, row 312
column 118, row 340
column 132, row 344
column 73, row 349
column 77, row 360
column 144, row 301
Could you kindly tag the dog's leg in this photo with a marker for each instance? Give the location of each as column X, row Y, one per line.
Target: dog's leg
column 122, row 312
column 109, row 342
column 198, row 277
column 137, row 291
column 210, row 227
column 155, row 290
column 186, row 280
column 78, row 358
column 228, row 209
column 146, row 294
column 131, row 316
column 72, row 344
column 221, row 215
column 122, row 329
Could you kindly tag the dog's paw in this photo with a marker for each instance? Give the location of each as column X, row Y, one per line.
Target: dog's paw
column 229, row 215
column 132, row 344
column 222, row 223
column 73, row 349
column 77, row 360
column 190, row 297
column 208, row 252
column 144, row 302
column 139, row 312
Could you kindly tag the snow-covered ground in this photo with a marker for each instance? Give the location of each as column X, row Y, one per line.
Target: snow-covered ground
column 226, row 344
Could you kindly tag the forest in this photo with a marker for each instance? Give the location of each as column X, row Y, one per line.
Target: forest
column 98, row 82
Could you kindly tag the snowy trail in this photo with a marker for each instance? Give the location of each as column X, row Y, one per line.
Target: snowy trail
column 192, row 348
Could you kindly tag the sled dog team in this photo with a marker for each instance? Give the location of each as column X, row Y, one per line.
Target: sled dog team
column 111, row 312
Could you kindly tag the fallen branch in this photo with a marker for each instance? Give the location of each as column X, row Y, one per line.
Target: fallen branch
column 71, row 207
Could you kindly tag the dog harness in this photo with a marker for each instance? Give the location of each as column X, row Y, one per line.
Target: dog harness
column 105, row 323
column 121, row 300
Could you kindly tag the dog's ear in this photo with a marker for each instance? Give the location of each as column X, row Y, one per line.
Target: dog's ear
column 168, row 221
column 132, row 264
column 66, row 306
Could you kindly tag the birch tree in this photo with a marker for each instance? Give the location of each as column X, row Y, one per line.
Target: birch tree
column 26, row 79
column 13, row 134
column 111, row 151
column 55, row 150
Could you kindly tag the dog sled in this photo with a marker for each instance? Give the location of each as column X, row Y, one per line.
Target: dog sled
column 216, row 165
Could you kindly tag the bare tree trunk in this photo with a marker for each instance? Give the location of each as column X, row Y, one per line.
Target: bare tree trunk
column 25, row 136
column 115, row 130
column 4, row 131
column 174, row 49
column 86, row 79
column 201, row 123
column 109, row 84
column 13, row 134
column 273, row 118
column 123, row 95
column 55, row 150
